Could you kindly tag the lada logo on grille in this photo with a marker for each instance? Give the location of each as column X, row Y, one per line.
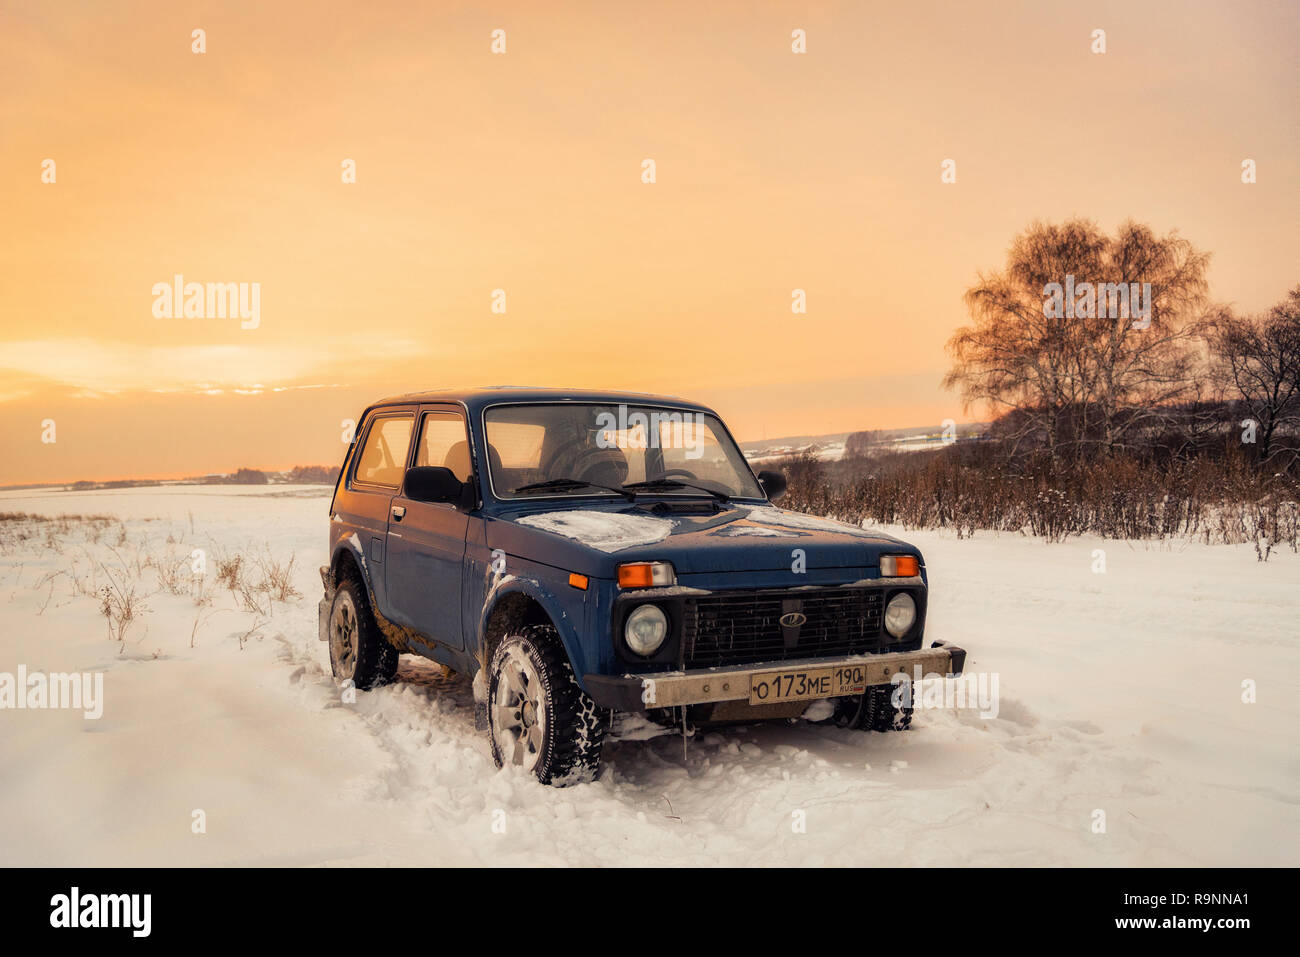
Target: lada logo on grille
column 792, row 619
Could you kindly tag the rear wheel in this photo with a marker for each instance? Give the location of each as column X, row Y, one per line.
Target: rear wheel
column 873, row 710
column 538, row 716
column 359, row 652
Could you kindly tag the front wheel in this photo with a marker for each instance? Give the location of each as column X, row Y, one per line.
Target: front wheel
column 873, row 710
column 538, row 716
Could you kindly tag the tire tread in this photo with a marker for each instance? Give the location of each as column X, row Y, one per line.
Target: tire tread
column 578, row 725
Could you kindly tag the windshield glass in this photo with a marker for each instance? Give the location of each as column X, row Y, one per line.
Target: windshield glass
column 566, row 445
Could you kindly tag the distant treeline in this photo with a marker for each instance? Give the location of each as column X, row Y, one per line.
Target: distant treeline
column 298, row 475
column 875, row 440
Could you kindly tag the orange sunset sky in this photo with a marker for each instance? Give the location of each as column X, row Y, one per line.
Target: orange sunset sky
column 478, row 171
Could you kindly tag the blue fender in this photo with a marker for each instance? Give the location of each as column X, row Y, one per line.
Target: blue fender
column 568, row 616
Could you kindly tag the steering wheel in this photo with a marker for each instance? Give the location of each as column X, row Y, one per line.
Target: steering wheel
column 685, row 473
column 606, row 466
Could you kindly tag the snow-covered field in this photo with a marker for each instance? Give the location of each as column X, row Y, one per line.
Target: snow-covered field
column 1121, row 692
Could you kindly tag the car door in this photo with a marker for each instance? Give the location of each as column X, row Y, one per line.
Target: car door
column 426, row 540
column 372, row 480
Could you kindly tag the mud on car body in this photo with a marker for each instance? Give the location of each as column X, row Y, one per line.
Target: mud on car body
column 581, row 553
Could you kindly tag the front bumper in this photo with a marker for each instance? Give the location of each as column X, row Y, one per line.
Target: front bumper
column 670, row 689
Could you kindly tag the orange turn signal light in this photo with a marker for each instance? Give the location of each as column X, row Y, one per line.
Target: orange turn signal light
column 899, row 566
column 646, row 575
column 634, row 576
column 578, row 581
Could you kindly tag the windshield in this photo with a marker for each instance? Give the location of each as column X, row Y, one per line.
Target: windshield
column 597, row 449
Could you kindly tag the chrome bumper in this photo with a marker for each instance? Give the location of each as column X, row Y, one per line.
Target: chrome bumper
column 671, row 689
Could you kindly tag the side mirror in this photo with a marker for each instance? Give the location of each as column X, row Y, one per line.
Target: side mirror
column 773, row 483
column 433, row 483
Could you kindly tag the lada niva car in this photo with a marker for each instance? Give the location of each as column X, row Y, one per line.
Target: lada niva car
column 581, row 553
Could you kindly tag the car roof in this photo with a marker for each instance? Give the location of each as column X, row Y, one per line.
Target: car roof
column 475, row 399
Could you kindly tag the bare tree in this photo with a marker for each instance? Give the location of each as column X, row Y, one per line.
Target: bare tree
column 1087, row 337
column 1258, row 357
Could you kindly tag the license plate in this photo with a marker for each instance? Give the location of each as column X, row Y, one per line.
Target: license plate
column 800, row 683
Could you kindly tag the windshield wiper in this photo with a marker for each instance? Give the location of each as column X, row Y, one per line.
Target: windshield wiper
column 649, row 484
column 561, row 484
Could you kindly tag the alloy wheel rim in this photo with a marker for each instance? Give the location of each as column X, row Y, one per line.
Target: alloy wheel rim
column 343, row 635
column 519, row 712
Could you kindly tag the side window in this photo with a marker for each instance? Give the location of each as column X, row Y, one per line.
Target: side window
column 444, row 441
column 383, row 457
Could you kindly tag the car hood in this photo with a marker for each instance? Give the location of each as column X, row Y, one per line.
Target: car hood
column 594, row 538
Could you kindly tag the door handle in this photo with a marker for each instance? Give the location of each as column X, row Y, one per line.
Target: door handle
column 399, row 512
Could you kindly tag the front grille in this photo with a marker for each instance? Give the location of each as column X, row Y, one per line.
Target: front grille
column 743, row 627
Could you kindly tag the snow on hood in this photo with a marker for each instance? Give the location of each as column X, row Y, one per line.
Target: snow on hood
column 606, row 531
column 775, row 516
column 752, row 531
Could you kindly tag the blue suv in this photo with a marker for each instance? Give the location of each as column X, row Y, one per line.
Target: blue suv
column 581, row 553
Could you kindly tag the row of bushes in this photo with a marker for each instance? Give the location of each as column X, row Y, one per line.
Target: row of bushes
column 965, row 487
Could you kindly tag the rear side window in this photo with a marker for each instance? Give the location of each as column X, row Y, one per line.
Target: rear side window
column 383, row 457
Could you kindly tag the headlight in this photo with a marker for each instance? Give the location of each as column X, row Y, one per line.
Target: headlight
column 900, row 614
column 645, row 629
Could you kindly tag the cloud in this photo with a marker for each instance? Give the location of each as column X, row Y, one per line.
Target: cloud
column 90, row 368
